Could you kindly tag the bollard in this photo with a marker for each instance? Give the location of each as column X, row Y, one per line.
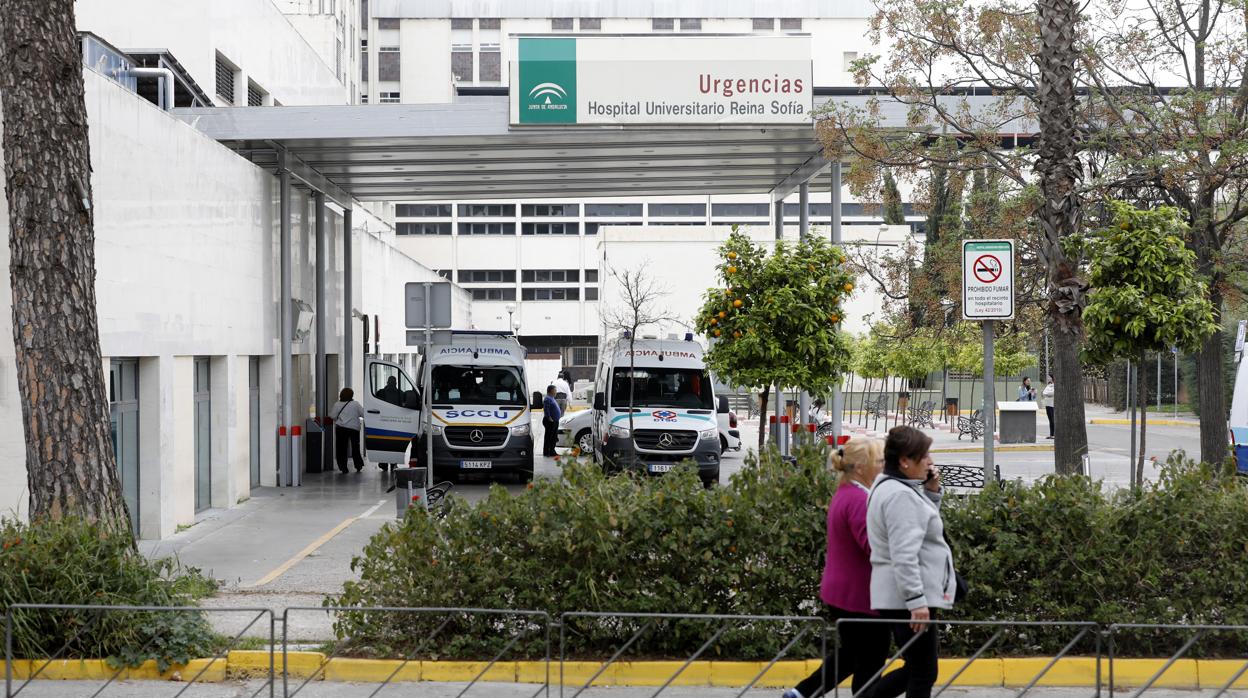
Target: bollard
column 296, row 456
column 784, row 435
column 771, row 430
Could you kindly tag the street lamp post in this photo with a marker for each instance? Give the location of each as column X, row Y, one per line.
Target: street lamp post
column 511, row 309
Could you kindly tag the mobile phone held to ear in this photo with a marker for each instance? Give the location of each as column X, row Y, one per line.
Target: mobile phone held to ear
column 931, row 473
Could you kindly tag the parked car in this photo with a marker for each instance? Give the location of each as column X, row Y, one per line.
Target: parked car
column 729, row 435
column 576, row 430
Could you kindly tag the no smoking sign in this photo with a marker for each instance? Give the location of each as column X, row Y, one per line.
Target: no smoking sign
column 988, row 279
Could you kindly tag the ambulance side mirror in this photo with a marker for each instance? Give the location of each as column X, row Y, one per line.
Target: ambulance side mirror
column 600, row 401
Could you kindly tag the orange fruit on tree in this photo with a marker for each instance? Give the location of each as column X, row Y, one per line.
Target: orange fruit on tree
column 736, row 303
column 848, row 287
column 732, row 255
column 834, row 317
column 723, row 314
column 732, row 270
column 717, row 333
column 736, row 334
column 714, row 321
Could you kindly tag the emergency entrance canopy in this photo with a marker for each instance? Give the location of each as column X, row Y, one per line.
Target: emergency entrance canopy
column 597, row 80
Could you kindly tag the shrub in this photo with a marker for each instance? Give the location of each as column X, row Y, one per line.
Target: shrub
column 78, row 563
column 593, row 543
column 1062, row 549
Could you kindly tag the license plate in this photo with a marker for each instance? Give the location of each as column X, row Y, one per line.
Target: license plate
column 476, row 464
column 660, row 467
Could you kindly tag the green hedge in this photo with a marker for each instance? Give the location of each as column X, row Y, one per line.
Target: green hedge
column 1061, row 549
column 78, row 563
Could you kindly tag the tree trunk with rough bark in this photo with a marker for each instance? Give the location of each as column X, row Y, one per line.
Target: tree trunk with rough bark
column 1059, row 217
column 70, row 465
column 1211, row 379
column 762, row 419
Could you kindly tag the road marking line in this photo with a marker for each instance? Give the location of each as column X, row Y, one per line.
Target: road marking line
column 311, row 548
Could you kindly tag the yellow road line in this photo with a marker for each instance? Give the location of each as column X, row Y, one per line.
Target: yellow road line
column 311, row 547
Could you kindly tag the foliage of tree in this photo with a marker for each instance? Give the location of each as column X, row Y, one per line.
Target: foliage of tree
column 71, row 469
column 776, row 316
column 1168, row 83
column 894, row 212
column 1145, row 294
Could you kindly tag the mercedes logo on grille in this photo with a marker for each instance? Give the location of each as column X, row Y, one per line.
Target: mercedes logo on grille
column 477, row 436
column 666, row 441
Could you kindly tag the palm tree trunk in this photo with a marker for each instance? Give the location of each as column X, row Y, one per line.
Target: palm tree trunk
column 70, row 465
column 1060, row 217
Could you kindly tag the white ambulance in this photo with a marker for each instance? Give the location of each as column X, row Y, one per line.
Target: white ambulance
column 479, row 403
column 673, row 415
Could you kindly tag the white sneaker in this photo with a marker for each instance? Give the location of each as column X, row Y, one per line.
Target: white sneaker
column 792, row 693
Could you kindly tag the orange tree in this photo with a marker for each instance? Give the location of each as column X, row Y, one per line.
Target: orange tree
column 775, row 319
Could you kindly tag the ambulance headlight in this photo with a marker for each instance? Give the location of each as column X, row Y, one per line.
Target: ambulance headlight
column 520, row 430
column 618, row 432
column 437, row 430
column 708, row 434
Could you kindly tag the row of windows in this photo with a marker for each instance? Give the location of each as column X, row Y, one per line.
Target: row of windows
column 445, row 228
column 588, row 24
column 533, row 294
column 528, row 276
column 743, row 210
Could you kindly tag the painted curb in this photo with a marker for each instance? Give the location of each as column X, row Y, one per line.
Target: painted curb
column 1076, row 672
column 1151, row 422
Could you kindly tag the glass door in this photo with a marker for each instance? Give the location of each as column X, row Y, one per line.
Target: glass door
column 123, row 399
column 203, row 435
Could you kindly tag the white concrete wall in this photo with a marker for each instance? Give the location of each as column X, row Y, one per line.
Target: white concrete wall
column 187, row 256
column 252, row 34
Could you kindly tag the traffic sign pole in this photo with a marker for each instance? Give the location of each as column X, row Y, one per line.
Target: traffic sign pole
column 990, row 403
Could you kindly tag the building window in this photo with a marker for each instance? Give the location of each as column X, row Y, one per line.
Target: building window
column 662, row 24
column 591, row 293
column 550, row 294
column 487, row 210
column 389, row 98
column 422, row 210
column 550, row 229
column 489, row 23
column 591, row 24
column 491, row 65
column 388, row 63
column 605, row 210
column 678, row 210
column 745, row 210
column 791, row 24
column 203, row 434
column 764, row 24
column 690, row 25
column 402, row 228
column 364, row 64
column 255, row 95
column 225, row 79
column 550, row 276
column 550, row 210
column 461, row 65
column 561, row 24
column 388, row 23
column 584, row 356
column 847, row 59
column 123, row 399
column 461, row 23
column 813, row 210
column 591, row 276
column 493, row 294
column 487, row 228
column 364, row 98
column 487, row 276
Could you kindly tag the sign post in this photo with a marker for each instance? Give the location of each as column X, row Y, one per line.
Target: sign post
column 988, row 296
column 427, row 305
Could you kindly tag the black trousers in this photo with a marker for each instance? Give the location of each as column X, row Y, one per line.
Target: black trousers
column 345, row 438
column 863, row 649
column 917, row 677
column 1048, row 411
column 550, row 436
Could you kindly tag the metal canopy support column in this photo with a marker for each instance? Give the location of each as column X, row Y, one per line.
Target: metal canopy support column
column 284, row 460
column 837, row 412
column 348, row 320
column 322, row 381
column 803, row 225
column 778, row 213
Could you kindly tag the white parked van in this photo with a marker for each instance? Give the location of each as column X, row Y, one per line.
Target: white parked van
column 479, row 403
column 673, row 413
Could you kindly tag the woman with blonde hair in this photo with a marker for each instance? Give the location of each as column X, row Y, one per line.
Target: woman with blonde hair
column 846, row 585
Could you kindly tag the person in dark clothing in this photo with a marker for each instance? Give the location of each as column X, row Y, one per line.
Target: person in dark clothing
column 550, row 422
column 391, row 392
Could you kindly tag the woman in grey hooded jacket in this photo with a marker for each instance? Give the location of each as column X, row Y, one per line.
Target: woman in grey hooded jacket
column 912, row 571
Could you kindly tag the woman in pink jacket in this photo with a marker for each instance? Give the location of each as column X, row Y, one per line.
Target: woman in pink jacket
column 846, row 586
